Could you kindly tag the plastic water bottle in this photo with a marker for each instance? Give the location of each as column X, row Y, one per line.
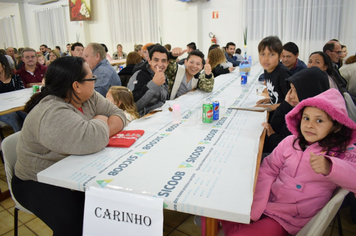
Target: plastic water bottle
column 250, row 60
column 245, row 67
column 176, row 114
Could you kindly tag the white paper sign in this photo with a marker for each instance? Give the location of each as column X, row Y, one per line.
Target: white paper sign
column 112, row 212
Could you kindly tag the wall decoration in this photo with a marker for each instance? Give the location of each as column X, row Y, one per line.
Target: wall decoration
column 79, row 10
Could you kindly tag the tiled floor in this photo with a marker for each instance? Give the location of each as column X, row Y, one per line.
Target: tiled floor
column 175, row 223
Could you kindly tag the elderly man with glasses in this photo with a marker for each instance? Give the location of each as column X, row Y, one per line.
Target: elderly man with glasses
column 333, row 50
column 31, row 72
column 105, row 75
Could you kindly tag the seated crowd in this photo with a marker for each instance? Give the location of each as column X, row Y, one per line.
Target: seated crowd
column 76, row 82
column 154, row 73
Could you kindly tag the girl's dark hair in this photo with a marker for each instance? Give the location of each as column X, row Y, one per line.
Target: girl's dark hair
column 5, row 64
column 327, row 61
column 60, row 76
column 335, row 141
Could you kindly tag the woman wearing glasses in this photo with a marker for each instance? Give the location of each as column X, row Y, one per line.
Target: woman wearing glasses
column 66, row 117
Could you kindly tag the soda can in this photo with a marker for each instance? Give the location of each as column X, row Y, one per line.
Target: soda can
column 207, row 116
column 243, row 79
column 35, row 89
column 216, row 110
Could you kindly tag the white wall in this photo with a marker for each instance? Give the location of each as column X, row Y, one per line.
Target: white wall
column 180, row 24
column 183, row 23
column 98, row 28
column 227, row 28
column 177, row 23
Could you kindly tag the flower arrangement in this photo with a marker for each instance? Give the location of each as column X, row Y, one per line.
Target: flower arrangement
column 79, row 10
column 245, row 37
column 245, row 41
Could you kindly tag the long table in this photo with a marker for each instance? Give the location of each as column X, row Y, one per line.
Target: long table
column 117, row 62
column 14, row 101
column 206, row 169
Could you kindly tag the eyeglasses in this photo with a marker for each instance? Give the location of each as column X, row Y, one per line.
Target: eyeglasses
column 30, row 57
column 338, row 52
column 92, row 79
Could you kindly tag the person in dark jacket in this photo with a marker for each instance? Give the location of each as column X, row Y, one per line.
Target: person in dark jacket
column 149, row 84
column 304, row 84
column 125, row 74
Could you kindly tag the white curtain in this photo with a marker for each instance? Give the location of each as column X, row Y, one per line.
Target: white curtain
column 51, row 26
column 133, row 22
column 308, row 23
column 8, row 32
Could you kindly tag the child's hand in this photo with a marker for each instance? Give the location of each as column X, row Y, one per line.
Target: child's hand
column 269, row 129
column 320, row 164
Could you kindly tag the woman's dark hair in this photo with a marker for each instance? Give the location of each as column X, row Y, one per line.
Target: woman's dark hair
column 5, row 64
column 335, row 141
column 133, row 58
column 59, row 78
column 327, row 61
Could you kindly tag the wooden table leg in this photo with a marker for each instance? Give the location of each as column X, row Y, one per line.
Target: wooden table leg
column 211, row 226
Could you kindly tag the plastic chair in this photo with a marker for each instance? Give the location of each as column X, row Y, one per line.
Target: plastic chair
column 9, row 151
column 318, row 224
column 350, row 106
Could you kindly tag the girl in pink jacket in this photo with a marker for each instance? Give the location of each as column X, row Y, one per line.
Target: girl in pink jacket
column 298, row 178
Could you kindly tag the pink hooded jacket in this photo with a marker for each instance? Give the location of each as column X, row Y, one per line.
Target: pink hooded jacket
column 288, row 190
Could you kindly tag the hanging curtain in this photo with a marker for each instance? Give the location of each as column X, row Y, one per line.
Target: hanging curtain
column 8, row 32
column 307, row 23
column 133, row 21
column 51, row 26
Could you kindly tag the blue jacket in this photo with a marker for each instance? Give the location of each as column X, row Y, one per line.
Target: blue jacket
column 234, row 63
column 107, row 77
column 300, row 65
